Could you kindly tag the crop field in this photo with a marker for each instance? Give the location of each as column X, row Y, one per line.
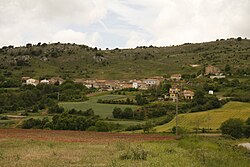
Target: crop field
column 28, row 148
column 209, row 119
column 104, row 110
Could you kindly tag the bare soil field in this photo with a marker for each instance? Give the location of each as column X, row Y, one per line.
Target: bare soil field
column 78, row 136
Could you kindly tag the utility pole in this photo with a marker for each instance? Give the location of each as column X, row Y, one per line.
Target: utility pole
column 58, row 96
column 176, row 119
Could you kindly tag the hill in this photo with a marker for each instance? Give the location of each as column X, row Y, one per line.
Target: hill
column 81, row 61
column 209, row 119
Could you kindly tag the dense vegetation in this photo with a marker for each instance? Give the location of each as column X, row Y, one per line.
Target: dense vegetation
column 28, row 97
column 70, row 120
column 236, row 128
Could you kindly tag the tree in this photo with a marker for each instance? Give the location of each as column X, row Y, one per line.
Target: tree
column 228, row 69
column 128, row 113
column 233, row 127
column 199, row 97
column 235, row 82
column 147, row 127
column 247, row 128
column 140, row 100
column 117, row 112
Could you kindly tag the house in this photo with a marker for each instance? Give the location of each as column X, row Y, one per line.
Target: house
column 55, row 80
column 160, row 78
column 24, row 79
column 138, row 84
column 188, row 94
column 212, row 70
column 112, row 84
column 124, row 85
column 99, row 84
column 44, row 81
column 32, row 81
column 173, row 93
column 135, row 85
column 217, row 76
column 152, row 82
column 210, row 92
column 176, row 77
column 89, row 83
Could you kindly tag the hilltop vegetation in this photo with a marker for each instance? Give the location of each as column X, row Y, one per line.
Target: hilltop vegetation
column 72, row 61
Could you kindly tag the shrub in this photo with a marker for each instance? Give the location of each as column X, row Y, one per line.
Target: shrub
column 3, row 118
column 35, row 123
column 134, row 153
column 233, row 127
column 56, row 109
column 247, row 130
column 147, row 127
column 181, row 130
column 134, row 127
column 117, row 112
column 101, row 126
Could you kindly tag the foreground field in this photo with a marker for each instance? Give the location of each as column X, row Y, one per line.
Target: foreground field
column 104, row 110
column 78, row 136
column 211, row 119
column 29, row 148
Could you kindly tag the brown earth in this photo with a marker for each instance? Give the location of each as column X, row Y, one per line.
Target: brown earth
column 78, row 136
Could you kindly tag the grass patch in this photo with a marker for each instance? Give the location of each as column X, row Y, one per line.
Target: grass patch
column 104, row 110
column 211, row 119
column 189, row 152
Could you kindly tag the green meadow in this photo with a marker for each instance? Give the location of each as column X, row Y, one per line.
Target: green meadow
column 104, row 110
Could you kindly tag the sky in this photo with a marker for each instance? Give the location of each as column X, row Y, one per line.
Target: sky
column 122, row 23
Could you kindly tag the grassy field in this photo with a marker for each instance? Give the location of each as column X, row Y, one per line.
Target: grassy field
column 104, row 110
column 209, row 119
column 190, row 151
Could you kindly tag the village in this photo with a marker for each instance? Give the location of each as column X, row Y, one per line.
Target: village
column 140, row 84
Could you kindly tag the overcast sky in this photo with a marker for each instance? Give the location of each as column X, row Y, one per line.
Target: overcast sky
column 122, row 23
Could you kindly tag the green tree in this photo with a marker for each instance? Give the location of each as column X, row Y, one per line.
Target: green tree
column 147, row 127
column 141, row 100
column 233, row 127
column 117, row 112
column 228, row 69
column 128, row 113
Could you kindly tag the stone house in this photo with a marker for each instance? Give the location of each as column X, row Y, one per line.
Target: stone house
column 176, row 77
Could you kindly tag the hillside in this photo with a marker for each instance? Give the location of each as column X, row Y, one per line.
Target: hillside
column 80, row 61
column 209, row 119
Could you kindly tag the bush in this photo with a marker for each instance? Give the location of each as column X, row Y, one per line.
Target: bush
column 134, row 127
column 35, row 123
column 117, row 112
column 233, row 127
column 181, row 130
column 101, row 126
column 147, row 127
column 134, row 153
column 247, row 130
column 56, row 109
column 3, row 118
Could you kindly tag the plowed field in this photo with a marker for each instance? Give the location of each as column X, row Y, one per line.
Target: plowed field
column 78, row 136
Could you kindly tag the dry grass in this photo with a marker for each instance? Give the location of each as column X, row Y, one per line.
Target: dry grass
column 209, row 119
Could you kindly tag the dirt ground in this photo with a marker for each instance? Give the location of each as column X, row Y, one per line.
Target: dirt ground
column 78, row 136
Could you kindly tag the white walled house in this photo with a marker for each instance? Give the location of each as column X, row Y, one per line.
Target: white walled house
column 44, row 81
column 152, row 82
column 135, row 85
column 32, row 81
column 210, row 92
